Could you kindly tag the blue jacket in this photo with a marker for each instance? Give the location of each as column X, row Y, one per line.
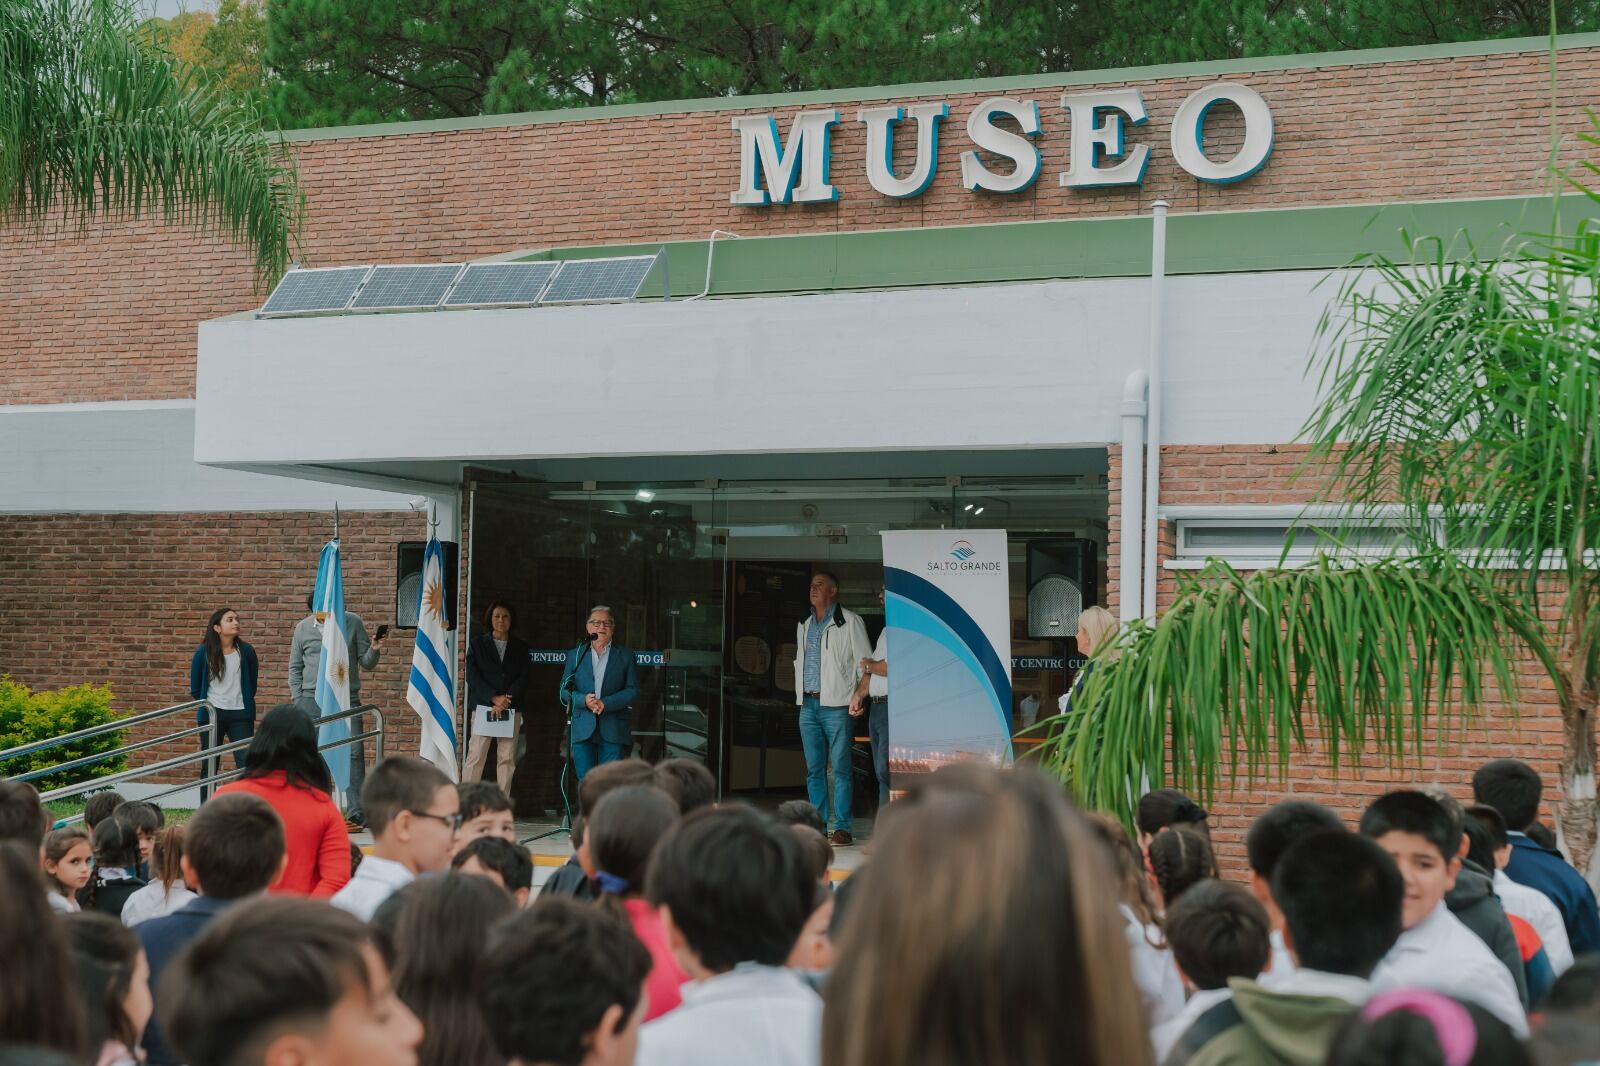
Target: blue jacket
column 617, row 690
column 1548, row 872
column 162, row 939
column 200, row 678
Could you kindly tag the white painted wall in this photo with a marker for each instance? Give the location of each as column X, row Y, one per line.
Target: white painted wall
column 997, row 366
column 139, row 457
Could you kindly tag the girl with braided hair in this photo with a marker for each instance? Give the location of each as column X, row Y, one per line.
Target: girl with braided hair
column 1178, row 858
column 1154, row 972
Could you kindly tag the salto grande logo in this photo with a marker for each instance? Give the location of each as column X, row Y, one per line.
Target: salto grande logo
column 962, row 550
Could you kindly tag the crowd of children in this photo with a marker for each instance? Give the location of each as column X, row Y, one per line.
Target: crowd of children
column 992, row 922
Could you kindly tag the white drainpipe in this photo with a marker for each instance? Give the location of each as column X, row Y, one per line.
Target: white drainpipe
column 1152, row 476
column 1130, row 567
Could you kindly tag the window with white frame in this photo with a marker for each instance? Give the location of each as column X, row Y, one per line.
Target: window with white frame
column 1256, row 536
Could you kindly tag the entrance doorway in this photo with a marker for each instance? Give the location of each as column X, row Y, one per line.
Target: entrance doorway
column 707, row 581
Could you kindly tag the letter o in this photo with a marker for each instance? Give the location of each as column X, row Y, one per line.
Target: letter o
column 1189, row 132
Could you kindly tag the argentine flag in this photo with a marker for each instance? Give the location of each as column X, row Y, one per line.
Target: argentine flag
column 333, row 677
column 432, row 691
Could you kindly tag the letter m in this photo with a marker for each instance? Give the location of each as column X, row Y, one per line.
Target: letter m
column 772, row 173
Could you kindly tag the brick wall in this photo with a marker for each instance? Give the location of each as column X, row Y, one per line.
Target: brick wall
column 124, row 599
column 1263, row 474
column 110, row 313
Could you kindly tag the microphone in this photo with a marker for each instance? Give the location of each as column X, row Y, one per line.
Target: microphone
column 589, row 638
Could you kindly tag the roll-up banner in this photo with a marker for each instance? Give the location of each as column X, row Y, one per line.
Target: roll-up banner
column 948, row 611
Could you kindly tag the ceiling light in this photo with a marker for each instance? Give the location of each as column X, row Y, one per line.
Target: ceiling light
column 644, row 495
column 968, row 507
column 978, row 512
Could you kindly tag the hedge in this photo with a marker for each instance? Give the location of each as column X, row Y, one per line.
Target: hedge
column 26, row 716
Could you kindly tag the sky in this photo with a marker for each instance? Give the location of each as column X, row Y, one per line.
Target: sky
column 168, row 8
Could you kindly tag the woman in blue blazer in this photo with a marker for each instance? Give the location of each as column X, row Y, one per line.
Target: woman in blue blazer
column 224, row 670
column 602, row 730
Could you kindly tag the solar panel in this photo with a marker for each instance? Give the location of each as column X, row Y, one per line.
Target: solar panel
column 581, row 280
column 321, row 289
column 500, row 284
column 404, row 287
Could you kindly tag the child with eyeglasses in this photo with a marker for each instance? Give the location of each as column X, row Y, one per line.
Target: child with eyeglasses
column 413, row 811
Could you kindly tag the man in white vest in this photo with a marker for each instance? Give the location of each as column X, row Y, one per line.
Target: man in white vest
column 829, row 645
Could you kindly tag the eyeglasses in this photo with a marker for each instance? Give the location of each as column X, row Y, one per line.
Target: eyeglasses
column 602, row 625
column 451, row 820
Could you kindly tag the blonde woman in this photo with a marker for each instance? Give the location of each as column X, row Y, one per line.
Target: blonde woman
column 1096, row 629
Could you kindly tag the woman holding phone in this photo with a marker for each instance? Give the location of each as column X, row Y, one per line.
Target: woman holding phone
column 223, row 672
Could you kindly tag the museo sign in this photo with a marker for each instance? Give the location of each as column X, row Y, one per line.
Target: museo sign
column 775, row 170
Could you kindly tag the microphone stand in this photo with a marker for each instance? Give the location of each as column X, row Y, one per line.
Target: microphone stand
column 568, row 689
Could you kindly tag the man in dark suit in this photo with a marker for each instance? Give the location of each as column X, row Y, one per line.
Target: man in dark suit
column 232, row 849
column 602, row 729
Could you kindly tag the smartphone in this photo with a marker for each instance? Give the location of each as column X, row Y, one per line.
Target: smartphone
column 383, row 631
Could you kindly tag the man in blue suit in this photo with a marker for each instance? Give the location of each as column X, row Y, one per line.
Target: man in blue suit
column 602, row 729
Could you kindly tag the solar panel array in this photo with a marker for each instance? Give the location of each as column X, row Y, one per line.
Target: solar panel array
column 306, row 291
column 394, row 288
column 423, row 287
column 583, row 280
column 500, row 284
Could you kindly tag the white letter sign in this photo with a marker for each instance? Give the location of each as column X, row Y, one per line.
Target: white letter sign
column 1093, row 139
column 880, row 123
column 772, row 173
column 1189, row 134
column 991, row 138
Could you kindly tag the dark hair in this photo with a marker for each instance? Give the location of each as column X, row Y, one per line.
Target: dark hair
column 142, row 816
column 259, row 968
column 286, row 740
column 1168, row 806
column 550, row 975
column 1511, row 787
column 1541, row 835
column 984, row 933
column 689, row 782
column 511, row 861
column 495, row 605
column 622, row 833
column 310, row 599
column 843, row 898
column 818, row 851
column 235, row 843
column 99, row 806
column 737, row 884
column 1179, row 858
column 1217, row 931
column 801, row 812
column 213, row 644
column 607, row 776
column 104, row 953
column 1577, row 990
column 399, row 783
column 1493, row 823
column 22, row 816
column 1565, row 1040
column 479, row 797
column 1406, row 1026
column 1340, row 895
column 1480, row 849
column 385, row 921
column 439, row 945
column 34, row 1011
column 1282, row 825
column 1416, row 813
column 116, row 842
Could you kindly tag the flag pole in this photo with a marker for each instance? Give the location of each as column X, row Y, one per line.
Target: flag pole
column 336, row 520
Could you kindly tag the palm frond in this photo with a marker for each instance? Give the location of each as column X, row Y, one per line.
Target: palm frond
column 1243, row 668
column 94, row 122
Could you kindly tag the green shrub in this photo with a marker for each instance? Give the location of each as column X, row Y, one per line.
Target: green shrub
column 26, row 716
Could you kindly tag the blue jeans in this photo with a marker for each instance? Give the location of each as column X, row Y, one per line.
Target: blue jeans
column 878, row 730
column 231, row 726
column 825, row 733
column 587, row 754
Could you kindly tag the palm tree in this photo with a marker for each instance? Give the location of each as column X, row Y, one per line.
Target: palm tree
column 1465, row 390
column 94, row 122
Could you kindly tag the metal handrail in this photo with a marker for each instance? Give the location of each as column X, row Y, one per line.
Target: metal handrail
column 96, row 730
column 126, row 749
column 378, row 734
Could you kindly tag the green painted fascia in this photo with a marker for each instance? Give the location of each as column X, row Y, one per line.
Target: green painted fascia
column 1212, row 68
column 1217, row 242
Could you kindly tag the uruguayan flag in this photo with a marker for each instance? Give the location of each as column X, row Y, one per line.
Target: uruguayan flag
column 333, row 678
column 432, row 691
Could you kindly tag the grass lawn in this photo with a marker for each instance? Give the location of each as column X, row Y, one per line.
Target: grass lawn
column 69, row 808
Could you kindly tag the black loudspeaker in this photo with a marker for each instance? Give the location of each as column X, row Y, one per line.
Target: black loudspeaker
column 1062, row 581
column 408, row 581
